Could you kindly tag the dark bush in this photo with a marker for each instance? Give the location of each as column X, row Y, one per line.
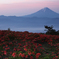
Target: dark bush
column 51, row 31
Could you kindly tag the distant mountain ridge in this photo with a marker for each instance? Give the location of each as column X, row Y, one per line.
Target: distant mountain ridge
column 43, row 13
column 32, row 23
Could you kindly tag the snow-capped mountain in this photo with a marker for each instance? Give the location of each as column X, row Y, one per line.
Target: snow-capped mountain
column 45, row 12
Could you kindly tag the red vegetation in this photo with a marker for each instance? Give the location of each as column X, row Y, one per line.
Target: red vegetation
column 27, row 45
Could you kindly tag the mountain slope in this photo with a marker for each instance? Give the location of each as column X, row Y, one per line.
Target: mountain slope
column 45, row 12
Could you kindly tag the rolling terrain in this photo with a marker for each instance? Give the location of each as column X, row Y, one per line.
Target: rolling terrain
column 32, row 23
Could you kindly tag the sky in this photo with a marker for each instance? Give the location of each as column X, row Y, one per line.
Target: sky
column 26, row 7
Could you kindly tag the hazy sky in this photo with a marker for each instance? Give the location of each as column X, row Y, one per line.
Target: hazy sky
column 14, row 1
column 25, row 7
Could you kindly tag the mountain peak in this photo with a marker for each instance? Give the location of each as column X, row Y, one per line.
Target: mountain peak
column 45, row 9
column 45, row 12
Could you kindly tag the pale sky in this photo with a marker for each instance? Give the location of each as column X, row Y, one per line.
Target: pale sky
column 25, row 7
column 17, row 1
